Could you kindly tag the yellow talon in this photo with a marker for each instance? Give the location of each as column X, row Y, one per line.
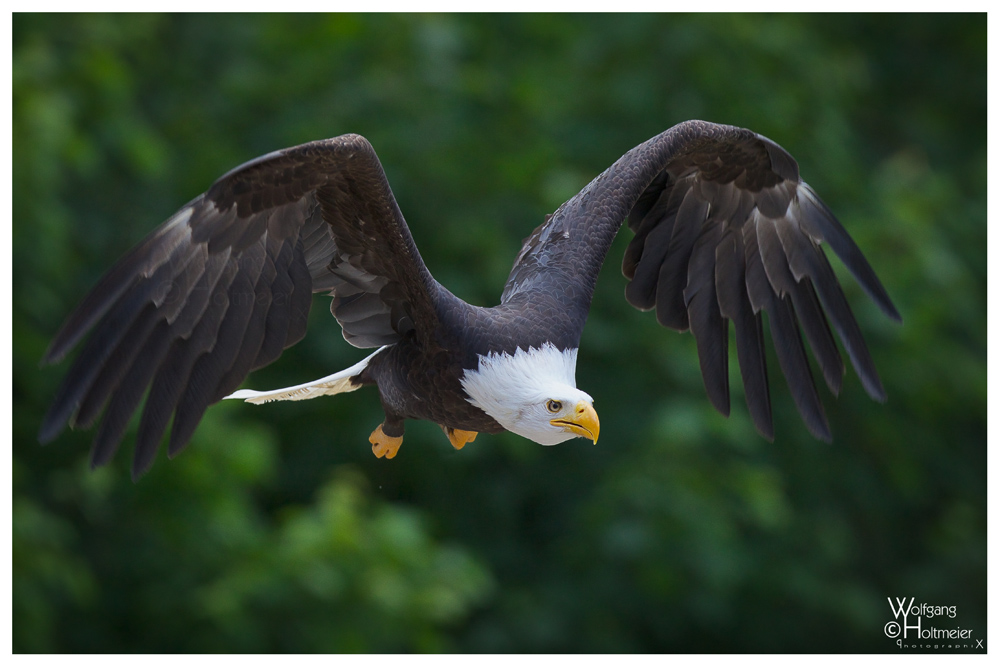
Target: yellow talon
column 458, row 437
column 384, row 445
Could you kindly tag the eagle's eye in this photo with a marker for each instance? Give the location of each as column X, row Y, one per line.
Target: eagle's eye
column 554, row 406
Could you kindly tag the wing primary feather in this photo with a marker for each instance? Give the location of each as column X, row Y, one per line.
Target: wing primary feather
column 817, row 331
column 132, row 387
column 114, row 369
column 125, row 351
column 159, row 405
column 754, row 371
column 175, row 371
column 807, row 261
column 835, row 303
column 806, row 307
column 734, row 304
column 127, row 397
column 792, row 358
column 95, row 353
column 786, row 337
column 819, row 222
column 143, row 259
column 710, row 330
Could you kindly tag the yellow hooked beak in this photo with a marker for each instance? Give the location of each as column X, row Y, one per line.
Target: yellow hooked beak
column 582, row 421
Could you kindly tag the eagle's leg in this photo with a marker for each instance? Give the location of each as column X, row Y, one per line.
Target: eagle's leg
column 384, row 444
column 458, row 437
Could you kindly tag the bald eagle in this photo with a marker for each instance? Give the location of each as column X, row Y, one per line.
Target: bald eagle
column 723, row 227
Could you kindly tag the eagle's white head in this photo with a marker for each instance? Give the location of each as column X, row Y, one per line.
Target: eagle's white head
column 533, row 393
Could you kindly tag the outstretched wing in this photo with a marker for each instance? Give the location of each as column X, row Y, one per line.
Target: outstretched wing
column 724, row 229
column 226, row 284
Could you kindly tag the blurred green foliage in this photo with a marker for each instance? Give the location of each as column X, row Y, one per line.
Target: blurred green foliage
column 681, row 531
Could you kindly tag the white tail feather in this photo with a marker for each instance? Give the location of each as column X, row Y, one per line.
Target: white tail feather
column 338, row 383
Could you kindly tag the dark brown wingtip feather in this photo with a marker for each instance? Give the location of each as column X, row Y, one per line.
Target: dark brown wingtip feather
column 114, row 369
column 88, row 364
column 710, row 330
column 54, row 422
column 813, row 263
column 772, row 235
column 792, row 359
column 817, row 332
column 817, row 220
column 749, row 332
column 161, row 344
column 786, row 337
column 174, row 376
column 730, row 280
column 83, row 318
column 142, row 259
column 711, row 337
column 125, row 400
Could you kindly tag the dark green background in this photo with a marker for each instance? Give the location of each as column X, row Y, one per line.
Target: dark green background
column 277, row 530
